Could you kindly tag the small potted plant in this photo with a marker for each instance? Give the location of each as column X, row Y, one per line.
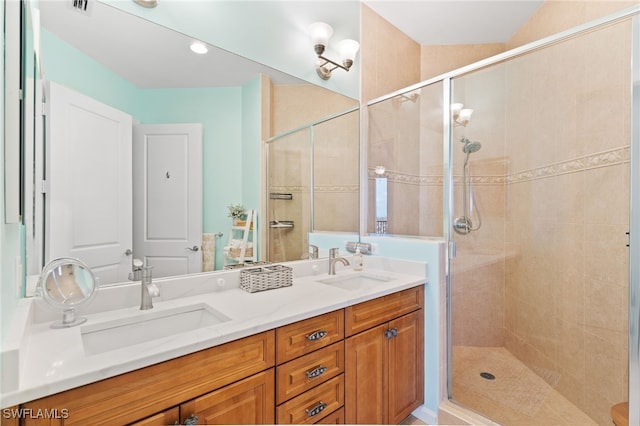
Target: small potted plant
column 237, row 212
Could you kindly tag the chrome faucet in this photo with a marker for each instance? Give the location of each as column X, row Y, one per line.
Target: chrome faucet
column 334, row 257
column 148, row 289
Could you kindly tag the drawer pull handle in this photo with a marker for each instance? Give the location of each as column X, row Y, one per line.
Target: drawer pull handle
column 316, row 372
column 191, row 420
column 316, row 409
column 316, row 335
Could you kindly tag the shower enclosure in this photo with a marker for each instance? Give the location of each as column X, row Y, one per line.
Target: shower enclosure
column 312, row 184
column 536, row 198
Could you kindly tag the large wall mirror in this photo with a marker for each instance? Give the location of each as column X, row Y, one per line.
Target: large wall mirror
column 135, row 124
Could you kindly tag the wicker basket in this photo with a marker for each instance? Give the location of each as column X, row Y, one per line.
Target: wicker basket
column 265, row 278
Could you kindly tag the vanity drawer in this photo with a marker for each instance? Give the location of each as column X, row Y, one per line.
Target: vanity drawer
column 305, row 336
column 335, row 418
column 310, row 370
column 313, row 405
column 366, row 315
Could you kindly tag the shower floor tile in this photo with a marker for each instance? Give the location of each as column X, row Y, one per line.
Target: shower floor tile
column 516, row 396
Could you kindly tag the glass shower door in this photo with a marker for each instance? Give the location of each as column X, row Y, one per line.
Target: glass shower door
column 539, row 287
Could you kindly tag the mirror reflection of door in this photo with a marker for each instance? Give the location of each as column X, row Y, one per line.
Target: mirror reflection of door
column 88, row 184
column 167, row 204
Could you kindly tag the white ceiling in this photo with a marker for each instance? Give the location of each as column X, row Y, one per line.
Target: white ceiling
column 456, row 21
column 128, row 51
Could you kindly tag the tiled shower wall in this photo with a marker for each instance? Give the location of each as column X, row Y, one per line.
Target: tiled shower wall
column 335, row 154
column 547, row 274
column 567, row 131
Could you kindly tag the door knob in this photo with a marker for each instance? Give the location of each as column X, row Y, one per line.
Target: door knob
column 128, row 252
column 194, row 248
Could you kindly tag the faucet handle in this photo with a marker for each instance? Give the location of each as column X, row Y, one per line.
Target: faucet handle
column 334, row 252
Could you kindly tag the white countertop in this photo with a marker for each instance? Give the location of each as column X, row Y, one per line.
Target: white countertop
column 40, row 361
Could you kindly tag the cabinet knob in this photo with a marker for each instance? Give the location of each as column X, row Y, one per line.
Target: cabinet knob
column 191, row 420
column 391, row 333
column 315, row 372
column 316, row 335
column 316, row 409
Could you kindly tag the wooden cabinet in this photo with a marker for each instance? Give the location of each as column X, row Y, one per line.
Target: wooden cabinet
column 308, row 371
column 145, row 392
column 305, row 336
column 313, row 405
column 309, row 375
column 361, row 364
column 168, row 417
column 384, row 367
column 247, row 402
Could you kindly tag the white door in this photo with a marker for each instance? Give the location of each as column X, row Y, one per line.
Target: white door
column 88, row 183
column 167, row 204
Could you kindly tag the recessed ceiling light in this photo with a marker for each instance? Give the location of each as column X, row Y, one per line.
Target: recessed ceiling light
column 147, row 3
column 199, row 48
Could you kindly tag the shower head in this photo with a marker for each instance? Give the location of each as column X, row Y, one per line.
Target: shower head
column 470, row 147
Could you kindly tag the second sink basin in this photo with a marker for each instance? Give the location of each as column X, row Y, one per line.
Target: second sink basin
column 147, row 326
column 355, row 281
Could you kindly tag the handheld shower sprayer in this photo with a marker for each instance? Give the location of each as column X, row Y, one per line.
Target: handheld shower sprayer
column 463, row 224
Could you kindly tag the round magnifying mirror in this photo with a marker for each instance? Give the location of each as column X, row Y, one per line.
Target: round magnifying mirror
column 67, row 283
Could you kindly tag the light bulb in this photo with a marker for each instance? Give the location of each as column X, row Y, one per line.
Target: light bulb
column 320, row 35
column 348, row 49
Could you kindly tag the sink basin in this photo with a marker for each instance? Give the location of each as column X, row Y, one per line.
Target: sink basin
column 147, row 326
column 356, row 281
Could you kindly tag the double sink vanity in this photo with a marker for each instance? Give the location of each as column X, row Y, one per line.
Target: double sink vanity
column 328, row 349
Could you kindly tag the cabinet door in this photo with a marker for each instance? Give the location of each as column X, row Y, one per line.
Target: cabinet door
column 168, row 417
column 406, row 366
column 366, row 377
column 249, row 401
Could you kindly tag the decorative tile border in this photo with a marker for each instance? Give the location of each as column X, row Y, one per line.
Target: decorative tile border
column 610, row 157
column 317, row 188
column 602, row 159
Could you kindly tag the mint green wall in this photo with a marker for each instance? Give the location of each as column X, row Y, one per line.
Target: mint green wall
column 68, row 66
column 220, row 112
column 230, row 117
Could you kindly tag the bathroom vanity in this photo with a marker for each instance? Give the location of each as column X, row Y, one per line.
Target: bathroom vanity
column 328, row 349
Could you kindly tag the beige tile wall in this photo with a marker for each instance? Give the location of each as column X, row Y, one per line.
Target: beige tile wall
column 569, row 186
column 562, row 203
column 389, row 59
column 405, row 137
column 439, row 59
column 336, row 184
column 566, row 209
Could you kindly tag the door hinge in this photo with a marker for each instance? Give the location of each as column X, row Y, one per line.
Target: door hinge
column 44, row 187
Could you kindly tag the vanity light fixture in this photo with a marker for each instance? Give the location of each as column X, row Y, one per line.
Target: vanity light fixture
column 460, row 115
column 199, row 48
column 411, row 96
column 320, row 35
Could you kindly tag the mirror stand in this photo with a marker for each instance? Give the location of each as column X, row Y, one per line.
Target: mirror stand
column 65, row 284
